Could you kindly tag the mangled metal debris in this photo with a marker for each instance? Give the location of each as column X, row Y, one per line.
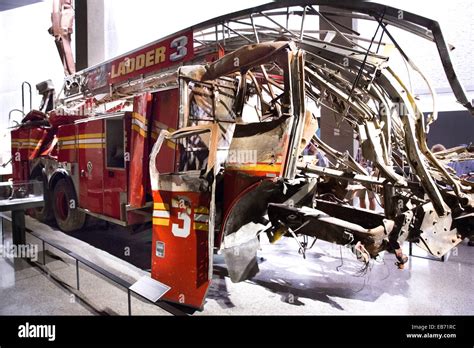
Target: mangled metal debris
column 245, row 105
column 276, row 85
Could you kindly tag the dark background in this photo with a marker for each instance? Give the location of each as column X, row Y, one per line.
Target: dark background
column 452, row 128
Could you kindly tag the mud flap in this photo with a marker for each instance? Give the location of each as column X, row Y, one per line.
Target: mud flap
column 181, row 243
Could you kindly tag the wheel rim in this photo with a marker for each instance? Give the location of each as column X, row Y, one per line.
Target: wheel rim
column 61, row 205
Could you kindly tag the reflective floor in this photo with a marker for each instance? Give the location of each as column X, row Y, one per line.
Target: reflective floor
column 325, row 283
column 329, row 281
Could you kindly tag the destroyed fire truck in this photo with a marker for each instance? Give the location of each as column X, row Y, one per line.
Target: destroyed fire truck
column 202, row 133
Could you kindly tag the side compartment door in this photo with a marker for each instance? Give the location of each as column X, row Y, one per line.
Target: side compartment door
column 90, row 144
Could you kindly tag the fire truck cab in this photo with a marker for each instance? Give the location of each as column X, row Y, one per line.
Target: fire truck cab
column 103, row 159
column 95, row 165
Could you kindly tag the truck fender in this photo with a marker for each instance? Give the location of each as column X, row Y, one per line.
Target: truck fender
column 59, row 173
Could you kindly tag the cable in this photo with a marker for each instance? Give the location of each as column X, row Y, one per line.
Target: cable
column 342, row 260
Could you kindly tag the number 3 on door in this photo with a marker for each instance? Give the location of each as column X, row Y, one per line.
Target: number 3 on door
column 184, row 231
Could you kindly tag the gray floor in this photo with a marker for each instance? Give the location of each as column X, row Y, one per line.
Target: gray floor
column 323, row 283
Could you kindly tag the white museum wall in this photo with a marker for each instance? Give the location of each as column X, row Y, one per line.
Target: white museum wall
column 455, row 19
column 28, row 53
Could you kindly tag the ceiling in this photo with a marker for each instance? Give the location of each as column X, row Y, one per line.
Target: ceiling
column 11, row 4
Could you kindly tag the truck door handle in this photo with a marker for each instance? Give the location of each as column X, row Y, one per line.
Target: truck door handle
column 83, row 173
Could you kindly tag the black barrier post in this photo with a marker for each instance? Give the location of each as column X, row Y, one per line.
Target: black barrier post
column 18, row 227
column 77, row 273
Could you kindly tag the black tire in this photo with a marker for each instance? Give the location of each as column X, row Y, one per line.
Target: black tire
column 67, row 218
column 45, row 213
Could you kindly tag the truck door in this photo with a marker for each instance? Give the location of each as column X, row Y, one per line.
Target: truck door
column 183, row 224
column 90, row 143
column 165, row 116
column 115, row 169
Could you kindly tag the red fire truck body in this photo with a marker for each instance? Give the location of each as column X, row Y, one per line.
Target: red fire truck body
column 103, row 157
column 97, row 164
column 202, row 132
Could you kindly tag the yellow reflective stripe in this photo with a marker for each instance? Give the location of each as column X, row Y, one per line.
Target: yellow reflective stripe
column 161, row 221
column 82, row 136
column 161, row 206
column 140, row 124
column 30, row 147
column 201, row 210
column 91, row 146
column 139, row 130
column 83, row 145
column 201, row 227
column 26, row 145
column 67, row 147
column 170, row 144
column 91, row 135
column 140, row 118
column 256, row 167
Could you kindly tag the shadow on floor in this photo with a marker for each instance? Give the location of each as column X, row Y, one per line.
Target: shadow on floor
column 133, row 246
column 322, row 278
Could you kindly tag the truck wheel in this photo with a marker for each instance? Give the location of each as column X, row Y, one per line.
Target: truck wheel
column 68, row 217
column 45, row 213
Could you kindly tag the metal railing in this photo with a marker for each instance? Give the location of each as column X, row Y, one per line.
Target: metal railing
column 168, row 307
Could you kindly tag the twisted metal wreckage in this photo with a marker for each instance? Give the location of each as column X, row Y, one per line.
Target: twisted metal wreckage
column 245, row 118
